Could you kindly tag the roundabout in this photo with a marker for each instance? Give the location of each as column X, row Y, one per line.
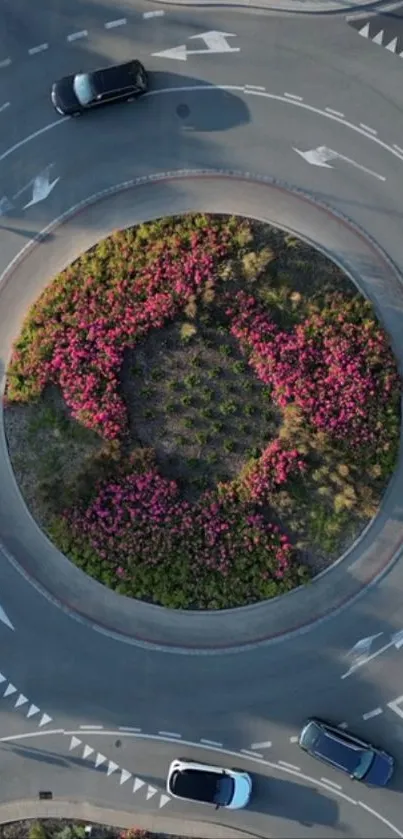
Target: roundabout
column 243, row 686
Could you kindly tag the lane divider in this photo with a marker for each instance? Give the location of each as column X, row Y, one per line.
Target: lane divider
column 75, row 36
column 112, row 24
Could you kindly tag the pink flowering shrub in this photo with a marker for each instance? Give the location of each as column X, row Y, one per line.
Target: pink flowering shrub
column 272, row 470
column 139, row 527
column 335, row 366
column 76, row 334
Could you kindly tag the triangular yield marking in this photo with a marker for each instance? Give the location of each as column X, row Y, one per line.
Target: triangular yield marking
column 392, row 46
column 44, row 720
column 33, row 709
column 125, row 776
column 9, row 690
column 150, row 792
column 164, row 800
column 21, row 700
column 364, row 31
column 378, row 37
column 138, row 783
column 112, row 767
column 74, row 742
column 99, row 759
column 2, row 678
column 87, row 751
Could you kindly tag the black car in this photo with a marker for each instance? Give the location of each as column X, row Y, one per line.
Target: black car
column 359, row 759
column 73, row 95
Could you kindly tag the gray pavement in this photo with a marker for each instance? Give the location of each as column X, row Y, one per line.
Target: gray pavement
column 250, row 702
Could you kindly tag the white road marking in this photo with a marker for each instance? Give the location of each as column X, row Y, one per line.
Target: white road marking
column 170, row 734
column 39, row 48
column 32, row 136
column 332, row 783
column 92, row 727
column 364, row 32
column 319, row 157
column 158, row 13
column 378, row 38
column 112, row 767
column 368, row 128
column 74, row 742
column 76, row 35
column 216, row 42
column 12, row 737
column 211, row 743
column 398, row 149
column 45, row 719
column 3, row 617
column 342, row 725
column 395, row 706
column 164, row 800
column 125, row 775
column 293, row 739
column 265, row 745
column 289, row 766
column 138, row 783
column 87, row 751
column 292, row 96
column 193, row 744
column 254, row 87
column 151, row 791
column 5, row 63
column 335, row 113
column 41, row 187
column 10, row 689
column 250, row 754
column 21, row 700
column 397, row 638
column 112, row 24
column 100, row 759
column 374, row 713
column 128, row 728
column 378, row 816
column 32, row 710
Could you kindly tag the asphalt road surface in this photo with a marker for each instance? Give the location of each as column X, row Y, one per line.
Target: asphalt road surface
column 86, row 714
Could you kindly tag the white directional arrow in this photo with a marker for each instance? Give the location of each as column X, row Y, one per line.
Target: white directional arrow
column 396, row 640
column 216, row 42
column 319, row 156
column 41, row 187
column 4, row 619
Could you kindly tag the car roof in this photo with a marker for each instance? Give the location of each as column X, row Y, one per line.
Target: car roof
column 337, row 751
column 195, row 783
column 115, row 77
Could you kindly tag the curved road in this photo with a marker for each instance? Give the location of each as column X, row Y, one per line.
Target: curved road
column 245, row 112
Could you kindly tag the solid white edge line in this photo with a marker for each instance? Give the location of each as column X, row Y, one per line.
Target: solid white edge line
column 76, row 35
column 39, row 48
column 170, row 734
column 3, row 107
column 213, row 743
column 292, row 96
column 250, row 754
column 289, row 765
column 368, row 128
column 378, row 816
column 30, row 734
column 332, row 783
column 254, row 87
column 398, row 148
column 111, row 24
column 374, row 713
column 335, row 113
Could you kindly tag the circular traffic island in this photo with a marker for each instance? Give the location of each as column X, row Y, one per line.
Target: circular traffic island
column 202, row 412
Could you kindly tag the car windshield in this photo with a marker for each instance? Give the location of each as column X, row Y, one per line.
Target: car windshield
column 364, row 764
column 83, row 88
column 225, row 790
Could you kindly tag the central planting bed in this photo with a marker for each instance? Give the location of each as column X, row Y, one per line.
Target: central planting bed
column 202, row 412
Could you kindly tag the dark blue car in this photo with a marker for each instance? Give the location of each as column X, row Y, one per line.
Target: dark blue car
column 344, row 751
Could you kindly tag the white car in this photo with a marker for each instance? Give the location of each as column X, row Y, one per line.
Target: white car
column 192, row 781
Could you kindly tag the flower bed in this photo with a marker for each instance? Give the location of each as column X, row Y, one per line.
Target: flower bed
column 222, row 408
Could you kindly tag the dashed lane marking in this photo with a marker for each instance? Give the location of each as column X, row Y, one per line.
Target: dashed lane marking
column 92, row 727
column 157, row 13
column 342, row 725
column 39, row 48
column 400, row 150
column 254, row 87
column 374, row 713
column 335, row 113
column 129, row 728
column 293, row 96
column 265, row 745
column 250, row 753
column 75, row 36
column 293, row 739
column 112, row 24
column 5, row 63
column 368, row 128
column 211, row 743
